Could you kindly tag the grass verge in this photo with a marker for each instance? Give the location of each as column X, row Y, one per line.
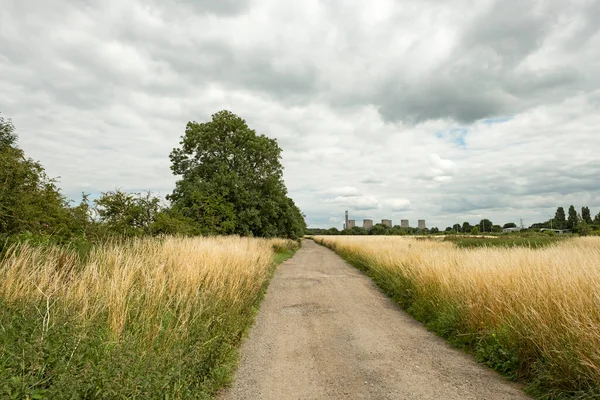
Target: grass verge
column 531, row 315
column 150, row 318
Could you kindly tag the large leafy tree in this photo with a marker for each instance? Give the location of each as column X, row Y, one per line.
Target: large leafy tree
column 560, row 220
column 572, row 219
column 232, row 180
column 485, row 225
column 586, row 215
column 466, row 227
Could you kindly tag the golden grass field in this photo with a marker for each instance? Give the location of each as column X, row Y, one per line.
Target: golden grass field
column 533, row 314
column 178, row 296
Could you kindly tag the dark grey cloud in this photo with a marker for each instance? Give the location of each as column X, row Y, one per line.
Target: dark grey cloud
column 486, row 74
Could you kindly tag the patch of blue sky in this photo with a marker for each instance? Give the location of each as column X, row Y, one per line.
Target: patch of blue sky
column 497, row 120
column 454, row 135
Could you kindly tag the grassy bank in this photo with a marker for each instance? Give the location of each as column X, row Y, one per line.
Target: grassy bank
column 151, row 318
column 531, row 314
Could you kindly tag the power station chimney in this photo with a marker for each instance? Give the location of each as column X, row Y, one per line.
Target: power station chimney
column 346, row 223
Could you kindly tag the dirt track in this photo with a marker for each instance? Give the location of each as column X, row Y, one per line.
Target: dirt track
column 324, row 331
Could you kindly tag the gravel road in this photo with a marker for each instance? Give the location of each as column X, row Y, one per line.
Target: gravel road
column 325, row 331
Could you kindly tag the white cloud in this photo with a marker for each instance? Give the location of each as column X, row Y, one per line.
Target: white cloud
column 398, row 204
column 346, row 191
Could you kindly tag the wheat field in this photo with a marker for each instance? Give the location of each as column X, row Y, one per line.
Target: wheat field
column 128, row 316
column 532, row 314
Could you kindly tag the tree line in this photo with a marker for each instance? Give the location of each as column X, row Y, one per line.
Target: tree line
column 581, row 223
column 231, row 182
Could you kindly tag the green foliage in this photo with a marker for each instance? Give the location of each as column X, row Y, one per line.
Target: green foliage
column 583, row 228
column 232, row 180
column 380, row 229
column 586, row 215
column 31, row 205
column 485, row 225
column 509, row 225
column 128, row 214
column 560, row 221
column 356, row 230
column 475, row 230
column 466, row 227
column 8, row 137
column 572, row 219
column 169, row 221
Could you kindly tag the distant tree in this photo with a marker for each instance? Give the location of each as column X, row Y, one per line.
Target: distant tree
column 560, row 220
column 398, row 230
column 358, row 230
column 448, row 229
column 466, row 227
column 572, row 219
column 475, row 230
column 379, row 229
column 485, row 225
column 540, row 225
column 434, row 230
column 333, row 231
column 509, row 225
column 232, row 180
column 496, row 228
column 586, row 215
column 457, row 227
column 583, row 228
column 597, row 219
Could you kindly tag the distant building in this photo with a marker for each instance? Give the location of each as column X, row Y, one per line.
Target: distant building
column 404, row 223
column 422, row 224
column 386, row 222
column 351, row 224
column 512, row 230
column 367, row 224
column 559, row 231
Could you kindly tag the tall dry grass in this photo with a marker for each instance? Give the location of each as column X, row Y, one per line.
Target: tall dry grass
column 168, row 297
column 532, row 314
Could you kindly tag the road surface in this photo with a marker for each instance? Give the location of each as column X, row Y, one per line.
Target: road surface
column 324, row 331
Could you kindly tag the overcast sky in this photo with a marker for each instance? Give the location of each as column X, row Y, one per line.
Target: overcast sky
column 443, row 111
